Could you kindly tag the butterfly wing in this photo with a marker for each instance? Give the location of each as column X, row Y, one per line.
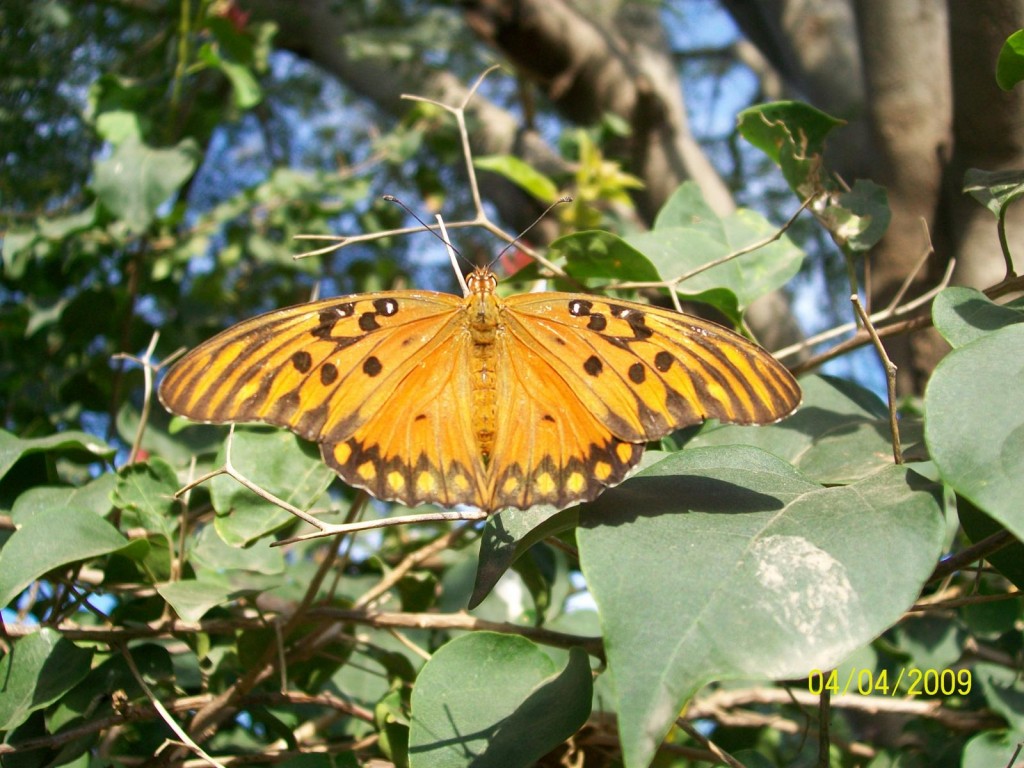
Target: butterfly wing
column 420, row 446
column 370, row 378
column 644, row 371
column 549, row 447
column 590, row 381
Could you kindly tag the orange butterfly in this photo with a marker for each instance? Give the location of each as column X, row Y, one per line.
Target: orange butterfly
column 423, row 397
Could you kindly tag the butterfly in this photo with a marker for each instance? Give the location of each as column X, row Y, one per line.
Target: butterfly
column 423, row 397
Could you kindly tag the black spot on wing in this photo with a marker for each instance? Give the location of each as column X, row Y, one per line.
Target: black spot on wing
column 328, row 374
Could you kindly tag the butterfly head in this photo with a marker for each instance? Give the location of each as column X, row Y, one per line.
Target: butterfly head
column 481, row 281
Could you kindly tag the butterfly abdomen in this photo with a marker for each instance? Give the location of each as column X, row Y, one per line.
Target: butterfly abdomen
column 483, row 311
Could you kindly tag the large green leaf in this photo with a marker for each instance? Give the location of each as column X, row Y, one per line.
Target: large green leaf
column 38, row 670
column 964, row 314
column 687, row 235
column 94, row 496
column 278, row 462
column 136, row 179
column 975, row 423
column 487, row 699
column 726, row 563
column 13, row 447
column 57, row 537
column 840, row 433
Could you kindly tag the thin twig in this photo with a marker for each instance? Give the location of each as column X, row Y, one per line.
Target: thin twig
column 162, row 711
column 876, row 318
column 709, row 745
column 890, row 378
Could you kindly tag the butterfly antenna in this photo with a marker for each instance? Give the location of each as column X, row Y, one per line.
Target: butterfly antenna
column 453, row 252
column 521, row 235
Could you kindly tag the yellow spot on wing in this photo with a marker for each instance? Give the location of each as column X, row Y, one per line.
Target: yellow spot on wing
column 624, row 451
column 342, row 453
column 425, row 483
column 545, row 483
column 576, row 482
column 602, row 470
column 396, row 481
column 366, row 470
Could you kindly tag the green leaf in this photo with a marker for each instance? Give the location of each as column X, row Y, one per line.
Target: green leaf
column 740, row 568
column 244, row 86
column 93, row 496
column 994, row 189
column 145, row 490
column 193, row 598
column 857, row 219
column 1009, row 560
column 839, row 435
column 676, row 249
column 62, row 227
column 488, row 699
column 793, row 135
column 278, row 462
column 113, row 674
column 12, row 448
column 1004, row 691
column 210, row 552
column 137, row 179
column 963, row 314
column 17, row 252
column 597, row 254
column 117, row 107
column 523, row 175
column 1010, row 64
column 991, row 748
column 57, row 537
column 38, row 670
column 975, row 424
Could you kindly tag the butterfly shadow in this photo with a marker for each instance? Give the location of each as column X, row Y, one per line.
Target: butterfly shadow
column 647, row 496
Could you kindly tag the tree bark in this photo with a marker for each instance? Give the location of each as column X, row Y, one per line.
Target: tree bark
column 915, row 78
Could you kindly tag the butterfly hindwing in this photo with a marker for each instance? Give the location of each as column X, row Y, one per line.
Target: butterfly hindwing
column 549, row 447
column 418, row 448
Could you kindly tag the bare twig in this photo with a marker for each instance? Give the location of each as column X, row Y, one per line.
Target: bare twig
column 890, row 377
column 877, row 318
column 480, row 219
column 162, row 711
column 709, row 745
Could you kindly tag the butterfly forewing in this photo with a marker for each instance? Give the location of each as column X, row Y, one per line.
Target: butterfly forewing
column 306, row 366
column 646, row 371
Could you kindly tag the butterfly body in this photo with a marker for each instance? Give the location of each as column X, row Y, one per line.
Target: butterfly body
column 424, row 397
